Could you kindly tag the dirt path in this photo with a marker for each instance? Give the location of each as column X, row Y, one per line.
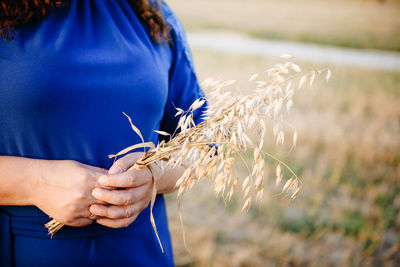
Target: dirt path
column 227, row 42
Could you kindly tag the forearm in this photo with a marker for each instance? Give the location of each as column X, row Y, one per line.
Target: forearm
column 17, row 180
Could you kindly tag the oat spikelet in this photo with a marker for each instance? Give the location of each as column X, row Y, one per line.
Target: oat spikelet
column 312, row 79
column 278, row 175
column 286, row 56
column 328, row 75
column 295, row 138
column 302, row 81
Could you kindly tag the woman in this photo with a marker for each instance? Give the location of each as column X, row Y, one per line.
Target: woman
column 68, row 69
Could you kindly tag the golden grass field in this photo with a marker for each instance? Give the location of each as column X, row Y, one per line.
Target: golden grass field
column 351, row 23
column 348, row 152
column 348, row 156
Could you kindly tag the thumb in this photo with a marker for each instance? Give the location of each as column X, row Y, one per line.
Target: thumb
column 125, row 163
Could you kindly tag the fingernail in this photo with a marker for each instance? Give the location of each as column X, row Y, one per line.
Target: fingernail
column 96, row 193
column 114, row 170
column 102, row 180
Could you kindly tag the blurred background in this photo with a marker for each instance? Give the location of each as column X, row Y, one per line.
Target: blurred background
column 348, row 151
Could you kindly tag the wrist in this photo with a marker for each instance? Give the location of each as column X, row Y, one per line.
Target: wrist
column 19, row 179
column 167, row 178
column 36, row 176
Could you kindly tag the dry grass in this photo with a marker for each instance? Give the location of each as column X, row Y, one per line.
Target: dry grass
column 348, row 158
column 355, row 23
column 210, row 148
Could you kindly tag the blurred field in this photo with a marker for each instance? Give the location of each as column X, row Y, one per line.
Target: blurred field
column 351, row 23
column 348, row 156
column 348, row 152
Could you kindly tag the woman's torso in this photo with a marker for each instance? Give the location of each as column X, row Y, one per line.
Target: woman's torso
column 64, row 83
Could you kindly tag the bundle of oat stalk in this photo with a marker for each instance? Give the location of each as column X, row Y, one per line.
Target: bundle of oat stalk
column 212, row 146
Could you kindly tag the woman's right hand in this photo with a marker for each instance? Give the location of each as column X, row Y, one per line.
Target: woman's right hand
column 63, row 190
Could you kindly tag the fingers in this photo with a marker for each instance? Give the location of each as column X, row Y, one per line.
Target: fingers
column 89, row 215
column 119, row 223
column 125, row 163
column 133, row 178
column 122, row 197
column 117, row 212
column 96, row 201
column 127, row 203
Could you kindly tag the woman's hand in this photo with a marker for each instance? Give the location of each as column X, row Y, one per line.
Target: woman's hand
column 132, row 193
column 63, row 191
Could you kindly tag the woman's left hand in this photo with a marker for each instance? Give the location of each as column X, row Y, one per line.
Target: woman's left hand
column 131, row 194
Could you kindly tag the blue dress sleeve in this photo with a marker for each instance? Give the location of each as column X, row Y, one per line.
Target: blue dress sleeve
column 184, row 88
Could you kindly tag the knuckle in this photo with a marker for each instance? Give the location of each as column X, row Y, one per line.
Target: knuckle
column 127, row 199
column 72, row 209
column 81, row 195
column 87, row 178
column 128, row 213
column 131, row 178
column 83, row 178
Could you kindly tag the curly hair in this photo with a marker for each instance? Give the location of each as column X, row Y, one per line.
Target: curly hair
column 15, row 13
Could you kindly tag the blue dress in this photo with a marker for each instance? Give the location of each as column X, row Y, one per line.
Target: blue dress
column 64, row 82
